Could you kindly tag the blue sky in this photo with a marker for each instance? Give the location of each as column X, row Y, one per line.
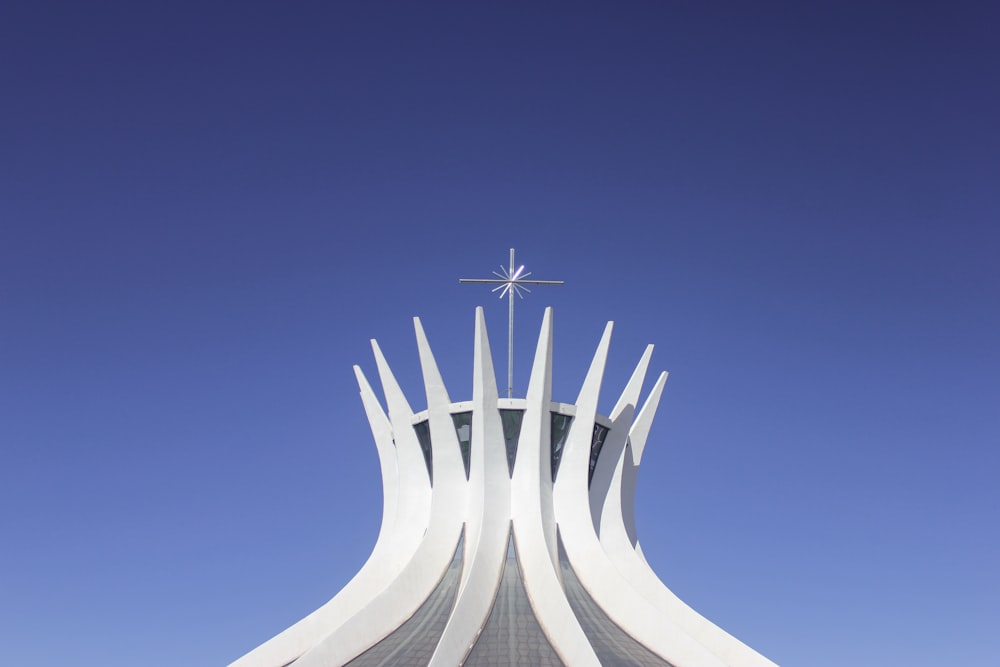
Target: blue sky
column 207, row 209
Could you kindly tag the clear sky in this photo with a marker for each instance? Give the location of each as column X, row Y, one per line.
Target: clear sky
column 207, row 209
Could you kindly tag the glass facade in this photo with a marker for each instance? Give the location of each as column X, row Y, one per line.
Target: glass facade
column 463, row 428
column 413, row 643
column 423, row 430
column 613, row 646
column 512, row 635
column 560, row 429
column 596, row 443
column 511, row 420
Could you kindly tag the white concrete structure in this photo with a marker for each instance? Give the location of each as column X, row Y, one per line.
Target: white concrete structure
column 508, row 535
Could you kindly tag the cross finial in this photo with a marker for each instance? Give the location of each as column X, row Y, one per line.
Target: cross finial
column 510, row 281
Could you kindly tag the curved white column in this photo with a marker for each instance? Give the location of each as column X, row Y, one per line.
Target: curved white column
column 388, row 466
column 622, row 603
column 450, row 492
column 618, row 537
column 414, row 500
column 533, row 517
column 488, row 523
column 373, row 576
column 617, row 514
column 614, row 442
column 417, row 580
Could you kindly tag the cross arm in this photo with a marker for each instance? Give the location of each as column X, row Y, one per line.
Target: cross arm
column 520, row 282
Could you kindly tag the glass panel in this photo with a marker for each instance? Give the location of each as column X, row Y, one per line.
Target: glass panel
column 423, row 430
column 512, row 634
column 511, row 420
column 560, row 429
column 596, row 443
column 412, row 643
column 613, row 646
column 463, row 427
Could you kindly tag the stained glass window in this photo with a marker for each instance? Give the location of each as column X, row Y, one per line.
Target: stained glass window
column 463, row 428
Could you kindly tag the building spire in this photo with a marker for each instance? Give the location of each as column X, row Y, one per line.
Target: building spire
column 510, row 281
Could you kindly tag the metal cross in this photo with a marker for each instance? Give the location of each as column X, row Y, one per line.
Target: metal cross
column 510, row 282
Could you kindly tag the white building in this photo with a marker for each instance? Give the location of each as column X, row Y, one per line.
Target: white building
column 508, row 535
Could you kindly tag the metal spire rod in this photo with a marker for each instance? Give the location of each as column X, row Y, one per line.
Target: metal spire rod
column 508, row 282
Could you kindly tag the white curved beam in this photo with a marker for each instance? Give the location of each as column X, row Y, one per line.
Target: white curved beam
column 644, row 420
column 418, row 579
column 488, row 522
column 618, row 538
column 622, row 603
column 619, row 509
column 446, row 455
column 373, row 576
column 382, row 432
column 533, row 518
column 414, row 502
column 614, row 442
